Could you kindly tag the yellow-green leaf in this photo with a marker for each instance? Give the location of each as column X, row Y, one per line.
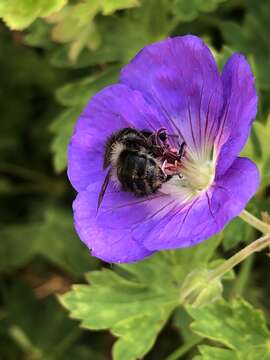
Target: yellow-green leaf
column 20, row 14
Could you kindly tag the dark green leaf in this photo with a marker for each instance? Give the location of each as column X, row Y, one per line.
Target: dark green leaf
column 244, row 38
column 53, row 237
column 43, row 331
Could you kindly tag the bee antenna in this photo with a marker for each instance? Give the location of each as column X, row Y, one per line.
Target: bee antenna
column 103, row 188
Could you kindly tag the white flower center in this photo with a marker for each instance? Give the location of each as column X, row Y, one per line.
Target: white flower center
column 196, row 175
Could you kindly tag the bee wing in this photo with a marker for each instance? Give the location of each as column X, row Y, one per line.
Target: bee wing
column 103, row 188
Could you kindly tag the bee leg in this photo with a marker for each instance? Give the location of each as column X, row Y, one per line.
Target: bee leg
column 181, row 150
column 164, row 166
column 103, row 188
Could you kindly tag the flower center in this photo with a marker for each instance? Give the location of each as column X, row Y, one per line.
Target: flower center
column 194, row 173
column 198, row 174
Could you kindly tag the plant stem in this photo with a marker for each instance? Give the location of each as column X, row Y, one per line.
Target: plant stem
column 255, row 222
column 256, row 246
column 183, row 349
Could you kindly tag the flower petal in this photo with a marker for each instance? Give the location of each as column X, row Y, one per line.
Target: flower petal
column 111, row 109
column 204, row 216
column 180, row 76
column 110, row 245
column 239, row 112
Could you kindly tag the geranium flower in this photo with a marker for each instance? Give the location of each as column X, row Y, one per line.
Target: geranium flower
column 173, row 84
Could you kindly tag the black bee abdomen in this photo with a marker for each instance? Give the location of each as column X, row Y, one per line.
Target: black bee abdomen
column 139, row 172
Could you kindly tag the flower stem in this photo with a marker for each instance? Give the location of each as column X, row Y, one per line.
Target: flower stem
column 256, row 246
column 255, row 222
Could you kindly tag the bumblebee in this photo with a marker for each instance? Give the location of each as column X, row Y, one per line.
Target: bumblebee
column 138, row 161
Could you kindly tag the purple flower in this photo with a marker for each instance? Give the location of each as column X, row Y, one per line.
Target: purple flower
column 173, row 84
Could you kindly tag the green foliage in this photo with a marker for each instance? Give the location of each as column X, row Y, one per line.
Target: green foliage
column 189, row 10
column 210, row 353
column 236, row 232
column 52, row 237
column 135, row 300
column 75, row 95
column 131, row 31
column 45, row 332
column 236, row 325
column 244, row 38
column 20, row 14
column 129, row 306
column 63, row 128
column 79, row 93
column 75, row 24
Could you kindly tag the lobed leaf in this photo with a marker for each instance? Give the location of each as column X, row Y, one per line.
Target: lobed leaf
column 237, row 325
column 136, row 300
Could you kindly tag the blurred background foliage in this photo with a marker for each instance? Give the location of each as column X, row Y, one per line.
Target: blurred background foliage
column 54, row 55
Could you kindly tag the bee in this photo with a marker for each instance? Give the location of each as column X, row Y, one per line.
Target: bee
column 139, row 161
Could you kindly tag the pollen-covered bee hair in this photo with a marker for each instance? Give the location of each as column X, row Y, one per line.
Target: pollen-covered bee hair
column 135, row 160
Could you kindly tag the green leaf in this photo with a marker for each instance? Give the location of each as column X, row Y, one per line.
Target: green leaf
column 76, row 95
column 135, row 299
column 127, row 305
column 38, row 35
column 235, row 232
column 189, row 10
column 63, row 129
column 75, row 24
column 244, row 37
column 132, row 30
column 110, row 6
column 53, row 238
column 214, row 353
column 80, row 92
column 237, row 325
column 20, row 14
